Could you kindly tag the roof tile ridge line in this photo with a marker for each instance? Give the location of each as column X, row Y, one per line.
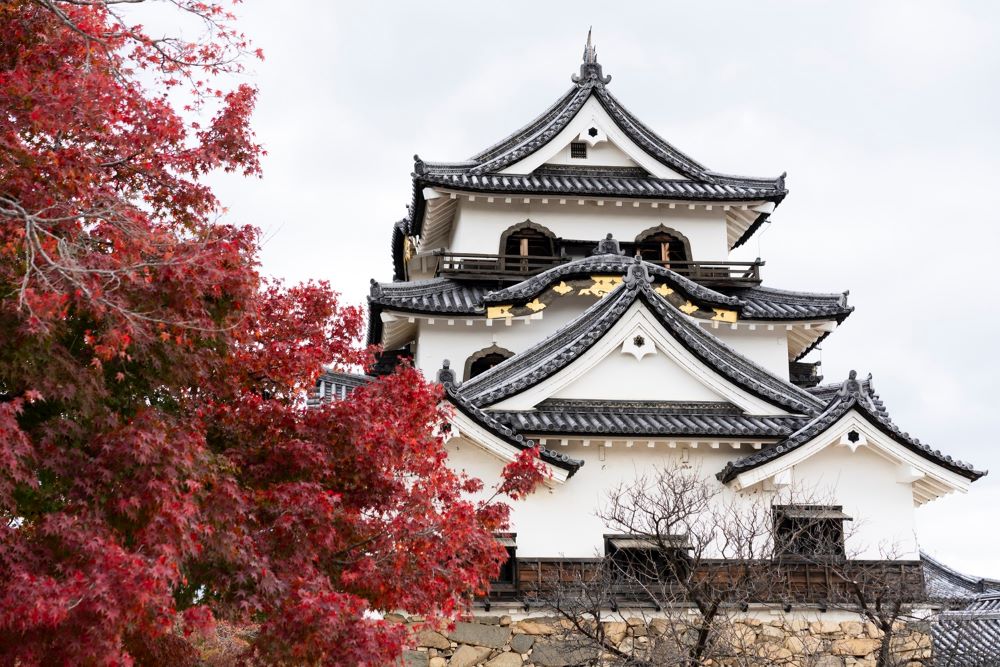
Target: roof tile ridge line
column 614, row 107
column 777, row 182
column 597, row 312
column 780, row 291
column 483, row 155
column 970, row 578
column 507, row 432
column 690, row 287
column 833, row 411
column 569, row 106
column 806, row 397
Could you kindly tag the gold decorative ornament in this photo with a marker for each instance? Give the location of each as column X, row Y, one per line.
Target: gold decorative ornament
column 562, row 288
column 688, row 308
column 723, row 315
column 663, row 290
column 602, row 285
column 534, row 306
column 495, row 312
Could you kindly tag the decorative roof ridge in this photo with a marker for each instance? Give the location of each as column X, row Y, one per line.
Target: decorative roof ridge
column 776, row 181
column 604, row 262
column 664, row 407
column 558, row 350
column 591, row 72
column 593, row 170
column 730, row 363
column 853, row 394
column 794, row 296
column 982, row 586
column 447, row 378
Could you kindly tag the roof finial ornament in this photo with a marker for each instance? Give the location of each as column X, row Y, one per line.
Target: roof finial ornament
column 590, row 70
column 637, row 273
column 608, row 246
column 851, row 386
column 419, row 168
column 446, row 375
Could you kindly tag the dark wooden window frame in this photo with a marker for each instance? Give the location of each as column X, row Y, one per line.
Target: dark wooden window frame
column 485, row 352
column 640, row 558
column 685, row 245
column 809, row 532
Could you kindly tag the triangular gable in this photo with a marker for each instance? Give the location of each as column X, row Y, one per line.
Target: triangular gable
column 592, row 124
column 700, row 350
column 638, row 358
column 853, row 420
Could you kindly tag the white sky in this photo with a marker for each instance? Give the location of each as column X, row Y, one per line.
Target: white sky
column 883, row 112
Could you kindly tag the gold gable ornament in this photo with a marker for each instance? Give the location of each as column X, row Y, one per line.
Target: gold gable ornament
column 534, row 306
column 723, row 315
column 496, row 312
column 602, row 285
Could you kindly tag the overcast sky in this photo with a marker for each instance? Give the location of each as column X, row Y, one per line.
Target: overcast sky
column 883, row 113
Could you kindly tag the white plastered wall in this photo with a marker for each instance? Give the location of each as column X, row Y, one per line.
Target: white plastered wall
column 478, row 225
column 562, row 521
column 458, row 341
column 769, row 348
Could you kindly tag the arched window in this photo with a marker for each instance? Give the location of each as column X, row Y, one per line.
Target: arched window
column 526, row 239
column 663, row 246
column 485, row 359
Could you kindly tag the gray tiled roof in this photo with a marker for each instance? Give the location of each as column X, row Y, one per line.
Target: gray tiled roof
column 946, row 584
column 561, row 348
column 858, row 396
column 590, row 184
column 967, row 632
column 436, row 295
column 609, row 263
column 769, row 303
column 645, row 419
column 443, row 295
column 481, row 172
column 506, row 433
column 969, row 637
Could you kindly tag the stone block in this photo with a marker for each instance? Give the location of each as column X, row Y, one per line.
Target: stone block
column 550, row 653
column 534, row 627
column 824, row 628
column 505, row 660
column 828, row 661
column 468, row 656
column 437, row 662
column 851, row 628
column 521, row 643
column 478, row 634
column 432, row 639
column 855, row 646
column 615, row 631
column 415, row 659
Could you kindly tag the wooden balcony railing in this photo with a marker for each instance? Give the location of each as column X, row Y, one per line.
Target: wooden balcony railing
column 537, row 579
column 494, row 267
column 477, row 266
column 717, row 273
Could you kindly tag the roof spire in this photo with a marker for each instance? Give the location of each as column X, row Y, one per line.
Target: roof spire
column 590, row 69
column 589, row 52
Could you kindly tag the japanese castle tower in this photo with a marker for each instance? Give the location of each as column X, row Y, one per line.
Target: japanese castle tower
column 570, row 287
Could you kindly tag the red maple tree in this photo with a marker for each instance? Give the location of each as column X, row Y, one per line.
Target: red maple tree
column 159, row 468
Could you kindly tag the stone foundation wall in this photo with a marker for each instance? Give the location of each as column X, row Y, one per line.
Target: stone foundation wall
column 501, row 641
